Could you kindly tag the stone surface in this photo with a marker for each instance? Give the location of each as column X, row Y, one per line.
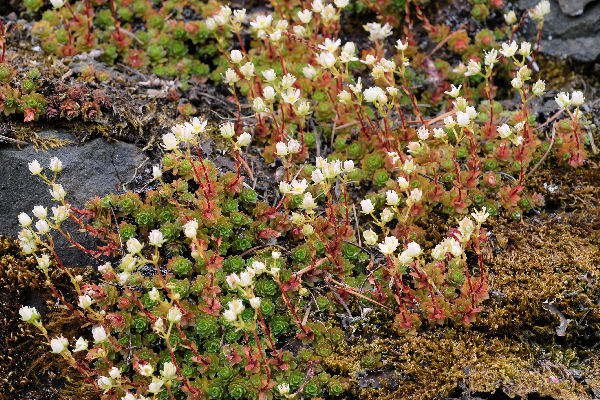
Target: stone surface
column 573, row 7
column 568, row 32
column 95, row 168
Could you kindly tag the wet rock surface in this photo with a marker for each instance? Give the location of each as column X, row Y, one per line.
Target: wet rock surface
column 571, row 30
column 94, row 168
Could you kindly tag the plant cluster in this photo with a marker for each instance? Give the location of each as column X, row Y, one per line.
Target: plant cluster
column 206, row 288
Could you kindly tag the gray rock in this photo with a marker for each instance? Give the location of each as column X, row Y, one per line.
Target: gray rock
column 93, row 169
column 567, row 31
column 573, row 7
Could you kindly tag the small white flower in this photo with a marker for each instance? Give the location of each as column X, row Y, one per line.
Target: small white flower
column 146, row 369
column 24, row 219
column 403, row 183
column 330, row 45
column 562, row 99
column 344, row 97
column 473, row 68
column 55, row 165
column 34, row 167
column 510, row 17
column 423, row 133
column 169, row 371
column 370, row 237
column 541, row 10
column 40, row 212
column 28, row 313
column 454, row 92
column 231, row 77
column 99, row 334
column 283, row 388
column 156, row 385
column 258, row 267
column 281, row 149
column 413, row 250
column 156, row 238
column 415, row 195
column 174, row 315
column 245, row 279
column 236, row 56
column 170, row 142
column 577, row 98
column 261, row 22
column 325, row 59
column 308, row 203
column 57, row 3
column 114, row 373
column 480, row 216
column 244, row 139
column 293, row 146
column 275, row 255
column 504, row 131
column 377, row 31
column 309, row 72
column 236, row 306
column 387, row 215
column 190, row 228
column 392, row 198
column 348, row 165
column 42, row 227
column 134, row 246
column 463, row 119
column 229, row 315
column 247, row 70
column 525, row 49
column 341, row 3
column 509, row 50
column 255, row 302
column 389, row 245
column 304, row 16
column 517, row 83
column 156, row 172
column 269, row 75
column 227, row 130
column 409, row 166
column 59, row 344
column 367, row 206
column 80, row 345
column 449, row 122
column 105, row 383
column 539, row 88
column 85, row 301
column 491, row 57
column 400, row 45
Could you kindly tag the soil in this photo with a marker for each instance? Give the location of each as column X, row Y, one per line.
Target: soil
column 537, row 338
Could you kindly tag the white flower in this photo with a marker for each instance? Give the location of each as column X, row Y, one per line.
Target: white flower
column 304, row 16
column 229, row 315
column 389, row 245
column 403, row 183
column 370, row 237
column 317, row 176
column 245, row 279
column 392, row 198
column 42, row 226
column 345, row 97
column 562, row 99
column 287, row 81
column 509, row 50
column 367, row 206
column 236, row 56
column 244, row 139
column 57, row 3
column 454, row 92
column 159, row 325
column 134, row 246
column 423, row 133
column 59, row 344
column 293, row 146
column 174, row 315
column 85, row 301
column 308, row 203
column 309, row 72
column 409, row 166
column 413, row 250
column 491, row 57
column 99, row 334
column 517, row 83
column 129, row 396
column 60, row 213
column 577, row 98
column 24, row 219
column 341, row 3
column 170, row 142
column 275, row 255
column 258, row 105
column 325, row 59
column 303, row 108
column 518, row 140
column 466, row 228
column 298, row 187
column 541, row 10
column 281, row 149
column 449, row 122
column 40, row 212
column 156, row 238
column 105, row 383
column 55, row 165
column 233, row 280
column 231, row 77
column 307, row 230
column 415, row 195
column 239, row 15
column 146, row 369
column 378, row 32
column 387, row 214
column 460, row 103
column 480, row 216
column 473, row 68
column 28, row 313
column 330, row 45
column 525, row 49
column 247, row 70
column 504, row 131
column 236, row 306
column 114, row 373
column 156, row 172
column 463, row 119
column 156, row 385
column 373, row 94
column 356, row 89
column 261, row 22
column 283, row 388
column 255, row 302
column 439, row 133
column 58, row 192
column 510, row 17
column 80, row 345
column 348, row 165
column 539, row 88
column 258, row 267
column 169, row 371
column 269, row 75
column 227, row 130
column 190, row 228
column 453, row 247
column 154, row 294
column 400, row 45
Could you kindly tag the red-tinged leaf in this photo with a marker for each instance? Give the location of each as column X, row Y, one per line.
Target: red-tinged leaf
column 29, row 114
column 115, row 319
column 269, row 233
